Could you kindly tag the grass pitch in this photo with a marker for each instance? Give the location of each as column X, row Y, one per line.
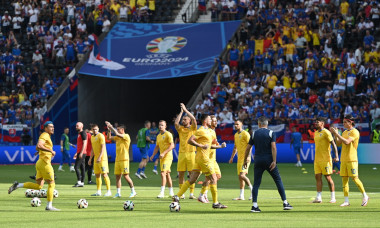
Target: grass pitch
column 149, row 211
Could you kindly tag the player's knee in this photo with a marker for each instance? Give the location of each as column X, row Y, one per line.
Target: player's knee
column 52, row 184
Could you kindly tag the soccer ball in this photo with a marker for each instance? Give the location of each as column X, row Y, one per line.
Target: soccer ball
column 174, row 207
column 128, row 205
column 34, row 193
column 42, row 193
column 55, row 194
column 82, row 204
column 35, row 202
column 28, row 193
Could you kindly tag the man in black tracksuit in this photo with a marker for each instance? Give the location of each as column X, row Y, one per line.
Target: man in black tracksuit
column 264, row 141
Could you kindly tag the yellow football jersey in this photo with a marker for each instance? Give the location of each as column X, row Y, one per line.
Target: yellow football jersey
column 322, row 141
column 349, row 152
column 163, row 141
column 122, row 147
column 241, row 142
column 184, row 134
column 205, row 137
column 213, row 151
column 45, row 155
column 96, row 142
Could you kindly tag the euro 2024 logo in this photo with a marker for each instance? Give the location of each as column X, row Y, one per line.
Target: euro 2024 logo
column 166, row 44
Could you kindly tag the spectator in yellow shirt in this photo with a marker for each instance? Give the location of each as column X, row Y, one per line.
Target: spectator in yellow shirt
column 271, row 83
column 344, row 7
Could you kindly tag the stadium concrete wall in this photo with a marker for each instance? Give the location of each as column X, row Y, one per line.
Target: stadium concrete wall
column 367, row 154
column 131, row 102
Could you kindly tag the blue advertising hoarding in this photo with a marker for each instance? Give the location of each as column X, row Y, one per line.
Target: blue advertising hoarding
column 11, row 155
column 157, row 51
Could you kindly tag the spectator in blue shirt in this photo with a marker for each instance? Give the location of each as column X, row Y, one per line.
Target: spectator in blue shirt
column 368, row 39
column 258, row 62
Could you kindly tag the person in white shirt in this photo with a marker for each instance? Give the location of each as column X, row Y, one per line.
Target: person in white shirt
column 70, row 11
column 358, row 55
column 6, row 22
column 81, row 27
column 226, row 116
column 347, row 110
column 106, row 24
column 17, row 20
column 351, row 60
column 33, row 15
column 123, row 11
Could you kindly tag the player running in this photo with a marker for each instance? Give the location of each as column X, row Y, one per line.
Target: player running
column 323, row 162
column 203, row 140
column 122, row 157
column 241, row 139
column 349, row 158
column 99, row 151
column 206, row 184
column 143, row 141
column 165, row 144
column 45, row 171
column 186, row 153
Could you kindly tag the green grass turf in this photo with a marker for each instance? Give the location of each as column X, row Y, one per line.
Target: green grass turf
column 15, row 210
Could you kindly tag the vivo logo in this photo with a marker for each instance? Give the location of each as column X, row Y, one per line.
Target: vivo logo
column 22, row 152
column 305, row 154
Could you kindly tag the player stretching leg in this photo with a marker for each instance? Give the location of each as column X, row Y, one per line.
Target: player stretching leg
column 186, row 153
column 323, row 162
column 99, row 151
column 203, row 139
column 122, row 157
column 45, row 171
column 206, row 184
column 165, row 144
column 349, row 158
column 241, row 142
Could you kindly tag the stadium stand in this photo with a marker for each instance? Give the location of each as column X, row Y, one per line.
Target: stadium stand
column 298, row 60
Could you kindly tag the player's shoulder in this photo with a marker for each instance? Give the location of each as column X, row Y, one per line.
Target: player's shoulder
column 44, row 135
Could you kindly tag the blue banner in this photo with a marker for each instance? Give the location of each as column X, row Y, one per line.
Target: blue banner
column 11, row 155
column 156, row 51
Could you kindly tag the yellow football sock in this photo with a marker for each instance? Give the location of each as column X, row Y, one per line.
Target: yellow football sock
column 346, row 188
column 108, row 183
column 214, row 192
column 31, row 185
column 204, row 189
column 207, row 187
column 99, row 183
column 50, row 192
column 359, row 184
column 180, row 186
column 192, row 187
column 184, row 188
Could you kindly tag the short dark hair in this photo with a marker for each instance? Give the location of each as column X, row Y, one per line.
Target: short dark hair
column 203, row 117
column 262, row 120
column 350, row 118
column 94, row 125
column 321, row 119
column 121, row 126
column 146, row 122
column 162, row 121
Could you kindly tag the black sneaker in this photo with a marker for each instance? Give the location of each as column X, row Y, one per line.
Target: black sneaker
column 287, row 206
column 12, row 187
column 255, row 209
column 175, row 199
column 218, row 206
column 32, row 177
column 90, row 182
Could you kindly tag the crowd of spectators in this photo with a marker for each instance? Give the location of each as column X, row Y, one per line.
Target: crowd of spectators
column 296, row 60
column 40, row 42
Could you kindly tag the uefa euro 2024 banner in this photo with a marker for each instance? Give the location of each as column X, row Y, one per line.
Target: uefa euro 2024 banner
column 157, row 51
column 11, row 155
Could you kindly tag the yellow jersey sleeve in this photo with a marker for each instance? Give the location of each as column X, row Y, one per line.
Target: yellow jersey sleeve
column 329, row 135
column 45, row 155
column 349, row 152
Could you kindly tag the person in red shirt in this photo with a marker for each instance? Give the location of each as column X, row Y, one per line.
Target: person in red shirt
column 80, row 156
column 88, row 168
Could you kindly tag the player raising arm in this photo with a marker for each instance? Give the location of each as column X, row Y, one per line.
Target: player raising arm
column 186, row 153
column 122, row 157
